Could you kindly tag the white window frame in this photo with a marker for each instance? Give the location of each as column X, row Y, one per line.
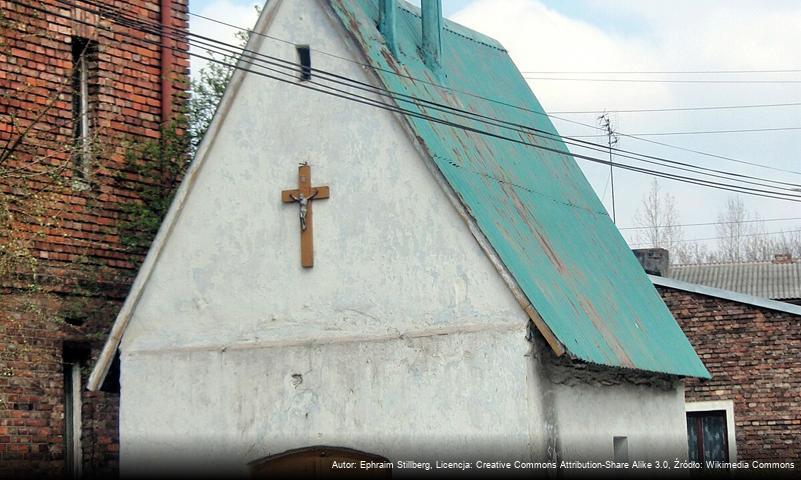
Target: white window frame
column 84, row 140
column 717, row 405
column 83, row 80
column 73, row 451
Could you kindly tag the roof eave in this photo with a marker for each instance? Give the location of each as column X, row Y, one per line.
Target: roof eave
column 726, row 295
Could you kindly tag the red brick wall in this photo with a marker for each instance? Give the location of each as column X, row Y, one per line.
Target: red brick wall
column 754, row 356
column 32, row 392
column 64, row 269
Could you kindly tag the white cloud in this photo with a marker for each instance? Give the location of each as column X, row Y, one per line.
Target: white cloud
column 633, row 35
column 541, row 39
column 676, row 35
column 233, row 12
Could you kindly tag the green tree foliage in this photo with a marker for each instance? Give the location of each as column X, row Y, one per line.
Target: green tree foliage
column 207, row 91
column 154, row 169
column 159, row 165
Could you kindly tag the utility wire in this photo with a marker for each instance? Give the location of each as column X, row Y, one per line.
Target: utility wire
column 713, row 155
column 659, row 72
column 718, row 238
column 685, row 149
column 700, row 132
column 569, row 140
column 675, row 109
column 434, row 119
column 643, row 80
column 566, row 139
column 438, row 86
column 295, row 66
column 713, row 223
column 378, row 68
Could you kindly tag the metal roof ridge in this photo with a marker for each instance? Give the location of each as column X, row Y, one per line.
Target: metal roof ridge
column 726, row 294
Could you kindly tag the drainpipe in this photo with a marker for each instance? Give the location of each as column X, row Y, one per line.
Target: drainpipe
column 167, row 61
column 386, row 24
column 432, row 35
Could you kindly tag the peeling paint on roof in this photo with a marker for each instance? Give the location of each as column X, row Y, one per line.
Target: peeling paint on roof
column 535, row 207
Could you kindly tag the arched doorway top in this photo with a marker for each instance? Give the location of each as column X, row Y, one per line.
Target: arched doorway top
column 322, row 461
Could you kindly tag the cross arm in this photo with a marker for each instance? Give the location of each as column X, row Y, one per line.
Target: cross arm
column 321, row 192
column 289, row 196
column 318, row 193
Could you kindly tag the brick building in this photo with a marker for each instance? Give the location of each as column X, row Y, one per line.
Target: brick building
column 751, row 344
column 79, row 88
column 752, row 348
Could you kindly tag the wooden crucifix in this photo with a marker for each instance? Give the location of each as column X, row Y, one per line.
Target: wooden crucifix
column 304, row 195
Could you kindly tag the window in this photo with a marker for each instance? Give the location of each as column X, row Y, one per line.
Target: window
column 83, row 54
column 707, row 437
column 710, row 431
column 304, row 58
column 621, row 449
column 73, row 356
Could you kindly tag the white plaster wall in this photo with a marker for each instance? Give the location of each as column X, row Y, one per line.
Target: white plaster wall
column 403, row 331
column 590, row 415
column 391, row 253
column 404, row 334
column 451, row 396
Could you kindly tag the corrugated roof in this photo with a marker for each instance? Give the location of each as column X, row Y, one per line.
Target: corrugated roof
column 535, row 207
column 779, row 281
column 739, row 297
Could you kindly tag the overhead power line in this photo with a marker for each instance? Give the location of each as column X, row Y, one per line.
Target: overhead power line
column 684, row 149
column 674, row 109
column 658, row 72
column 690, row 150
column 571, row 138
column 712, row 223
column 649, row 80
column 584, row 144
column 707, row 132
column 719, row 238
column 487, row 99
column 249, row 60
column 548, row 133
column 664, row 174
column 700, row 132
column 707, row 154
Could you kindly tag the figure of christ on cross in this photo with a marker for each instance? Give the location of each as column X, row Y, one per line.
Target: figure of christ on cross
column 304, row 195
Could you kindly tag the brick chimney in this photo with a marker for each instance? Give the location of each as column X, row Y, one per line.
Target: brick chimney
column 783, row 258
column 655, row 261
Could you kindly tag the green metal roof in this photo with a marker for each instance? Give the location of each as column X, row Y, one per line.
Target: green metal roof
column 535, row 207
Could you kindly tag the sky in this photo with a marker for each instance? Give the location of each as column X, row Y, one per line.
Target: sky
column 569, row 36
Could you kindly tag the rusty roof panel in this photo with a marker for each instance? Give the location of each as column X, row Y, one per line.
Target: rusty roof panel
column 535, row 207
